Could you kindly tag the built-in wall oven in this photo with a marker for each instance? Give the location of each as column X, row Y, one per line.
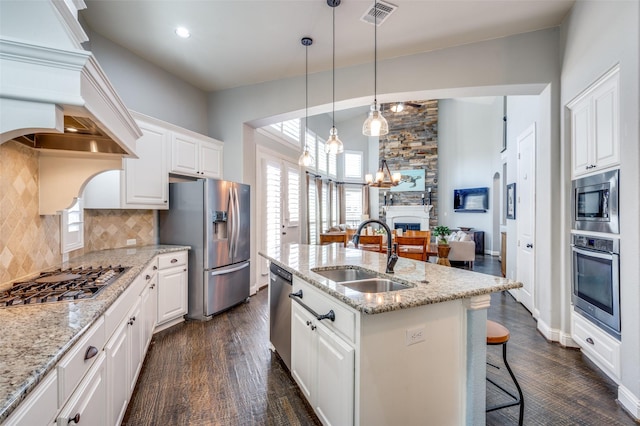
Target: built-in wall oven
column 595, row 203
column 596, row 280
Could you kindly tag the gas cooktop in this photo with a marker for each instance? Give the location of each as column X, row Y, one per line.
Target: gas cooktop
column 61, row 285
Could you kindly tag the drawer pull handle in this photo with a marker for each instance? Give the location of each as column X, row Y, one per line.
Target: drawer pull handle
column 174, row 260
column 590, row 341
column 75, row 419
column 297, row 296
column 91, row 352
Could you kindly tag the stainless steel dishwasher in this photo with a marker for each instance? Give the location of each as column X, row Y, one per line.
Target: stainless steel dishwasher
column 280, row 287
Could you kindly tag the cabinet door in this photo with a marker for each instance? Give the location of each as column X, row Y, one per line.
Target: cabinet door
column 335, row 371
column 89, row 401
column 185, row 155
column 149, row 302
column 172, row 293
column 605, row 119
column 303, row 351
column 136, row 323
column 211, row 160
column 147, row 178
column 117, row 354
column 581, row 137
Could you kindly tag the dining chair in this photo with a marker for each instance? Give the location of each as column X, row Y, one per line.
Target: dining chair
column 425, row 234
column 333, row 238
column 412, row 247
column 370, row 243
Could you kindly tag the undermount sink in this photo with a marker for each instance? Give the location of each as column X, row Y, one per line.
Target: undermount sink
column 361, row 280
column 374, row 285
column 345, row 274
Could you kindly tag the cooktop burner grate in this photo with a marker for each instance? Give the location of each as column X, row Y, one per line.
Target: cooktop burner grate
column 61, row 285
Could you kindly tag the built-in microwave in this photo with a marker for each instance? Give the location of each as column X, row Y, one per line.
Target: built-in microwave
column 595, row 203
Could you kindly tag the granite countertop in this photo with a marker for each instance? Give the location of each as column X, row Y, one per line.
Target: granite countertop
column 432, row 283
column 35, row 337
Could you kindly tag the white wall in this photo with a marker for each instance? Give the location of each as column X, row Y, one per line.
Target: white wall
column 150, row 90
column 596, row 36
column 469, row 145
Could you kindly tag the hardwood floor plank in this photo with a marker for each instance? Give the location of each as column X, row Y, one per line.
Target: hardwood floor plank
column 221, row 372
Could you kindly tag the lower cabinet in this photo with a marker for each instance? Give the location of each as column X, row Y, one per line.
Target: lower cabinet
column 88, row 404
column 322, row 364
column 172, row 288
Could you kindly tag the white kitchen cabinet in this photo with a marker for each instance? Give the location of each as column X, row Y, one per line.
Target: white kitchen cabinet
column 117, row 353
column 323, row 364
column 196, row 155
column 142, row 184
column 597, row 345
column 89, row 402
column 595, row 134
column 172, row 288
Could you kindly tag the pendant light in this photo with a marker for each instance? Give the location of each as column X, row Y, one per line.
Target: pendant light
column 375, row 124
column 334, row 144
column 306, row 159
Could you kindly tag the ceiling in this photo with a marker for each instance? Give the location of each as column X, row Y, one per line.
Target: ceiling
column 236, row 43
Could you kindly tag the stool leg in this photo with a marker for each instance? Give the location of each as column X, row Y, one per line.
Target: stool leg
column 515, row 382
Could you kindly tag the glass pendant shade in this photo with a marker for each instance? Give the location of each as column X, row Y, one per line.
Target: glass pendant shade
column 305, row 159
column 334, row 144
column 375, row 124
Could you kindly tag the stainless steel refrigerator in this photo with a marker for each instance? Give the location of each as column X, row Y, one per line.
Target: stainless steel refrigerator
column 212, row 216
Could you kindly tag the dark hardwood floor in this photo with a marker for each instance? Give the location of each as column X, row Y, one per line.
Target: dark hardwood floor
column 221, row 372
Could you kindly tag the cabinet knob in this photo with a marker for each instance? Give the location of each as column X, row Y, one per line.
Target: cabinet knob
column 313, row 327
column 75, row 419
column 155, row 268
column 308, row 323
column 165, row 201
column 90, row 353
column 147, row 277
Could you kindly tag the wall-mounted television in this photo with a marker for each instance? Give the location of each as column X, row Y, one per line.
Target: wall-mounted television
column 471, row 200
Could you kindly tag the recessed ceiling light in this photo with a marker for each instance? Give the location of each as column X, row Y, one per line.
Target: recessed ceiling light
column 183, row 32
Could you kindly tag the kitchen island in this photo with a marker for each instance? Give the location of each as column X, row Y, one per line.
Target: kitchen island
column 37, row 337
column 412, row 356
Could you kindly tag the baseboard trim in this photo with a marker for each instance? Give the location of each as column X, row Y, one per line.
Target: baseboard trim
column 549, row 333
column 629, row 402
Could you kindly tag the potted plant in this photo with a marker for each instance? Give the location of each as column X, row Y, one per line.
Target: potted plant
column 441, row 232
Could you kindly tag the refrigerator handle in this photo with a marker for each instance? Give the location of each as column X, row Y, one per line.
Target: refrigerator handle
column 231, row 224
column 227, row 271
column 236, row 228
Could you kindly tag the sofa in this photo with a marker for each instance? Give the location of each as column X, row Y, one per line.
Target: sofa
column 463, row 248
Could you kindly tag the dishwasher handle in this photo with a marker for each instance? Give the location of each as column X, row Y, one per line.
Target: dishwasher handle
column 297, row 296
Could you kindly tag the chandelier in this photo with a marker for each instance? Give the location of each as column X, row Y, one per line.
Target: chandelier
column 384, row 178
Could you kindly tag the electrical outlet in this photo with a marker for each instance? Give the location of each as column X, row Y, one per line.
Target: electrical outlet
column 131, row 242
column 414, row 335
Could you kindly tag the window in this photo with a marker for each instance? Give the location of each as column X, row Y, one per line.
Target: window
column 321, row 158
column 72, row 227
column 311, row 211
column 353, row 204
column 311, row 144
column 293, row 196
column 353, row 166
column 272, row 208
column 288, row 130
column 325, row 207
column 334, row 206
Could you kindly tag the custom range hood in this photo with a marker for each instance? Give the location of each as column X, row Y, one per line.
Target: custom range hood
column 55, row 97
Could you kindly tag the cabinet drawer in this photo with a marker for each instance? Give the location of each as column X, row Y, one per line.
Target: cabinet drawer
column 603, row 349
column 169, row 260
column 41, row 405
column 345, row 322
column 74, row 365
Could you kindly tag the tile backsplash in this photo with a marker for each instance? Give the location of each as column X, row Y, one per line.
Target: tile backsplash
column 30, row 243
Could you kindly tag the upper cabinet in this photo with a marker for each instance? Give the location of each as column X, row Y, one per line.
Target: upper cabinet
column 144, row 182
column 196, row 155
column 595, row 134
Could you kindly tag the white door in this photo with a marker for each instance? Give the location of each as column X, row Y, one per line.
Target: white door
column 525, row 217
column 279, row 211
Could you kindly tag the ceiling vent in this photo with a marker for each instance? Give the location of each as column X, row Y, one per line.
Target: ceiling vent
column 382, row 9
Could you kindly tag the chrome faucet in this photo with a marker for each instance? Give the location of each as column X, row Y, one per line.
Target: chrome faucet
column 392, row 257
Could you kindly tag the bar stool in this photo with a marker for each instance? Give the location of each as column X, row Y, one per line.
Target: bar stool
column 497, row 334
